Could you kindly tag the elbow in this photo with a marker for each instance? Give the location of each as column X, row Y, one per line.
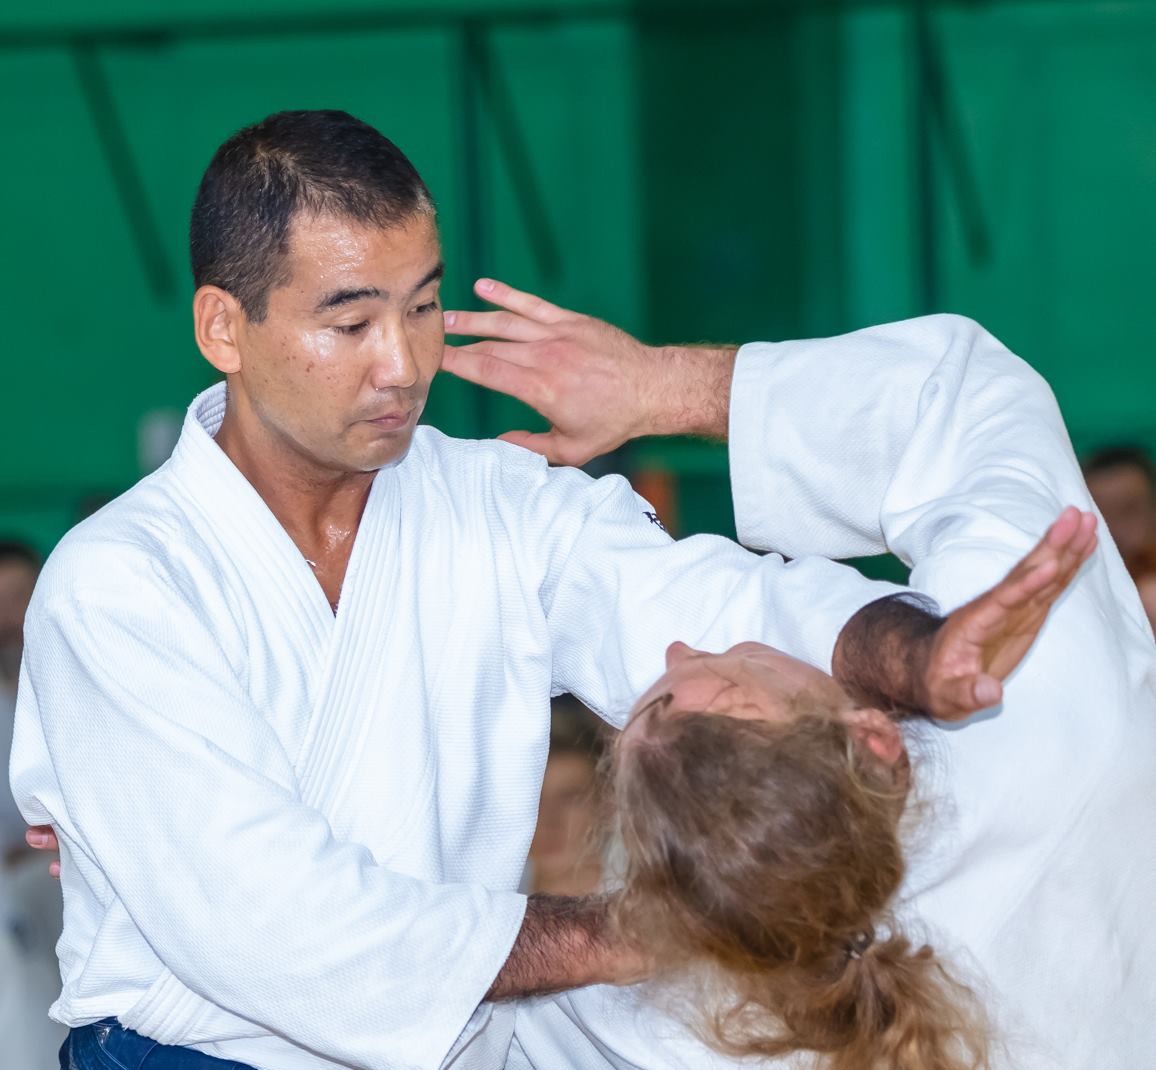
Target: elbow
column 974, row 346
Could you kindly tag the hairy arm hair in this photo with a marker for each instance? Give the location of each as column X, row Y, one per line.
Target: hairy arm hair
column 565, row 942
column 882, row 655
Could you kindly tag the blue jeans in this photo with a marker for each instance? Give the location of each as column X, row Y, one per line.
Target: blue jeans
column 108, row 1045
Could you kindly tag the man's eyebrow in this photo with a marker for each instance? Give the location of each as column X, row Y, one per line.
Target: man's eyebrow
column 337, row 298
column 432, row 275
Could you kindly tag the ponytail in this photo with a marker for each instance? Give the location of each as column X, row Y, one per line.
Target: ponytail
column 759, row 856
column 892, row 1007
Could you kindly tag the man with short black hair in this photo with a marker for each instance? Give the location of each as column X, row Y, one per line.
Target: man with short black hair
column 285, row 701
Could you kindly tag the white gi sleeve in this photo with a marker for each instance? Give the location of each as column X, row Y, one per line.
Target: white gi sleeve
column 930, row 439
column 927, row 438
column 157, row 756
column 618, row 590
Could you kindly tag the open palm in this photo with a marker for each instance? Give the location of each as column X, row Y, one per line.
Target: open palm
column 980, row 644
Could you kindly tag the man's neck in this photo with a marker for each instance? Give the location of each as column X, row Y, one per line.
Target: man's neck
column 319, row 509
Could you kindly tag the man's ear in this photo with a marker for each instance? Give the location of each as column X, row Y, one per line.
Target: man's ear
column 217, row 320
column 877, row 732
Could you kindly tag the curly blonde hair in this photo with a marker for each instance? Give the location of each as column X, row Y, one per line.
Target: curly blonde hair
column 765, row 855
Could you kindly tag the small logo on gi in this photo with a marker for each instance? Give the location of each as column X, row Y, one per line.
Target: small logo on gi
column 653, row 518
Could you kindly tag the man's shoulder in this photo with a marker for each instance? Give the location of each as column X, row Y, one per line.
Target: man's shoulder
column 486, row 468
column 499, row 477
column 121, row 543
column 473, row 457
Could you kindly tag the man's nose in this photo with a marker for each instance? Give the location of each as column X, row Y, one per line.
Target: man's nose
column 677, row 652
column 394, row 366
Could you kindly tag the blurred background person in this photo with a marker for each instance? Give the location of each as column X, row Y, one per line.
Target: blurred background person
column 30, row 908
column 1122, row 479
column 568, row 852
column 19, row 566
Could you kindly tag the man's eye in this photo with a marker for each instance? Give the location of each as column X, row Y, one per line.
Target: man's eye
column 353, row 328
column 426, row 309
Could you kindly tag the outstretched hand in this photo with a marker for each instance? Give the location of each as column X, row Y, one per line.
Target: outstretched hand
column 979, row 645
column 596, row 385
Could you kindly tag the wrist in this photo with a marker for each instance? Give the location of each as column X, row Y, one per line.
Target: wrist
column 564, row 942
column 691, row 390
column 883, row 655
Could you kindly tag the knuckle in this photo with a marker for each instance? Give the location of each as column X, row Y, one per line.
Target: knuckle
column 552, row 352
column 542, row 393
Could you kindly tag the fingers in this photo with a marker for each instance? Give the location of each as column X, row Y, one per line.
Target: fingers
column 487, row 370
column 1073, row 535
column 1063, row 528
column 554, row 446
column 1000, row 626
column 520, row 353
column 1088, row 538
column 505, row 325
column 1071, row 540
column 543, row 443
column 1079, row 548
column 41, row 837
column 1028, row 580
column 524, row 304
column 1073, row 532
column 1052, row 564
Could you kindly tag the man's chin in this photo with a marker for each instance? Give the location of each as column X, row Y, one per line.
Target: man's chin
column 386, row 453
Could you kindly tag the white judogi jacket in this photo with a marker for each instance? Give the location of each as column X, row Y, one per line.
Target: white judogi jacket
column 293, row 840
column 1035, row 869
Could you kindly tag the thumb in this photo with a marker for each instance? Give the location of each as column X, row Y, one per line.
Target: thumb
column 987, row 691
column 962, row 696
column 545, row 443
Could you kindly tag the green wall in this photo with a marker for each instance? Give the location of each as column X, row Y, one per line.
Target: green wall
column 1044, row 185
column 693, row 173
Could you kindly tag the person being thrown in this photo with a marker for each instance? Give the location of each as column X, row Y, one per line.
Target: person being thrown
column 774, row 868
column 761, row 808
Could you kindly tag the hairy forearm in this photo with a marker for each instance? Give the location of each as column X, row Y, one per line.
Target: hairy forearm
column 882, row 654
column 692, row 393
column 565, row 942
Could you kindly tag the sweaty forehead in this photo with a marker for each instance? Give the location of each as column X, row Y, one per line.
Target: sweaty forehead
column 329, row 251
